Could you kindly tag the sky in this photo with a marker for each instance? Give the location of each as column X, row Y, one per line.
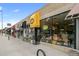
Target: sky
column 14, row 12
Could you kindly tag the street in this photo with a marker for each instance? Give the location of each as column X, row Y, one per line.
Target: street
column 17, row 47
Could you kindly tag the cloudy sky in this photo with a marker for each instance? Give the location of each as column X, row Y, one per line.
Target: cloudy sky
column 12, row 12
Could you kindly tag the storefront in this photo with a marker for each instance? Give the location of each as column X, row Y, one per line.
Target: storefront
column 73, row 16
column 62, row 29
column 59, row 31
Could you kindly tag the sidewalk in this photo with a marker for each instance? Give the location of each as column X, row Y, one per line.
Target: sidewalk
column 17, row 47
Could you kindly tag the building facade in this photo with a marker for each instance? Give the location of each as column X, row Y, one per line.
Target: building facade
column 55, row 28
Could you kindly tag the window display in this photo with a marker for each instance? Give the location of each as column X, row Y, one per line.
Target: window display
column 58, row 31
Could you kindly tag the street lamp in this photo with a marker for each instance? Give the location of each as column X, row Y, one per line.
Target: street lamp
column 1, row 12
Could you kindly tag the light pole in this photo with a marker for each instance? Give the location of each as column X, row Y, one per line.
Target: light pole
column 1, row 12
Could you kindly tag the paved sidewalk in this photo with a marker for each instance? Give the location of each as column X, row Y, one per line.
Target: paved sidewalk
column 17, row 47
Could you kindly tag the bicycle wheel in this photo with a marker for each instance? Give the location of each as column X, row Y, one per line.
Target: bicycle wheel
column 40, row 50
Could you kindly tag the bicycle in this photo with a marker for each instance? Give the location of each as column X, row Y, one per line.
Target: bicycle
column 40, row 50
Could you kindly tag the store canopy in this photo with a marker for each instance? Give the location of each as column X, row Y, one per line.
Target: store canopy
column 74, row 11
column 13, row 26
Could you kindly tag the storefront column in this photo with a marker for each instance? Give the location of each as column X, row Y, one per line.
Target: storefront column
column 77, row 34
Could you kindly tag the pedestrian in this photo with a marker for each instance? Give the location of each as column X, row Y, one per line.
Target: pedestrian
column 9, row 32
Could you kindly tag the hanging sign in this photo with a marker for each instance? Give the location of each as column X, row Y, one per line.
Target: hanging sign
column 8, row 24
column 35, row 20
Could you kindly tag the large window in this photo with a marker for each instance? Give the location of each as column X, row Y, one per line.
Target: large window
column 70, row 28
column 59, row 31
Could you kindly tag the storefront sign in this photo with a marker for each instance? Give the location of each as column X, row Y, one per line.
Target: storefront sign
column 35, row 20
column 8, row 24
